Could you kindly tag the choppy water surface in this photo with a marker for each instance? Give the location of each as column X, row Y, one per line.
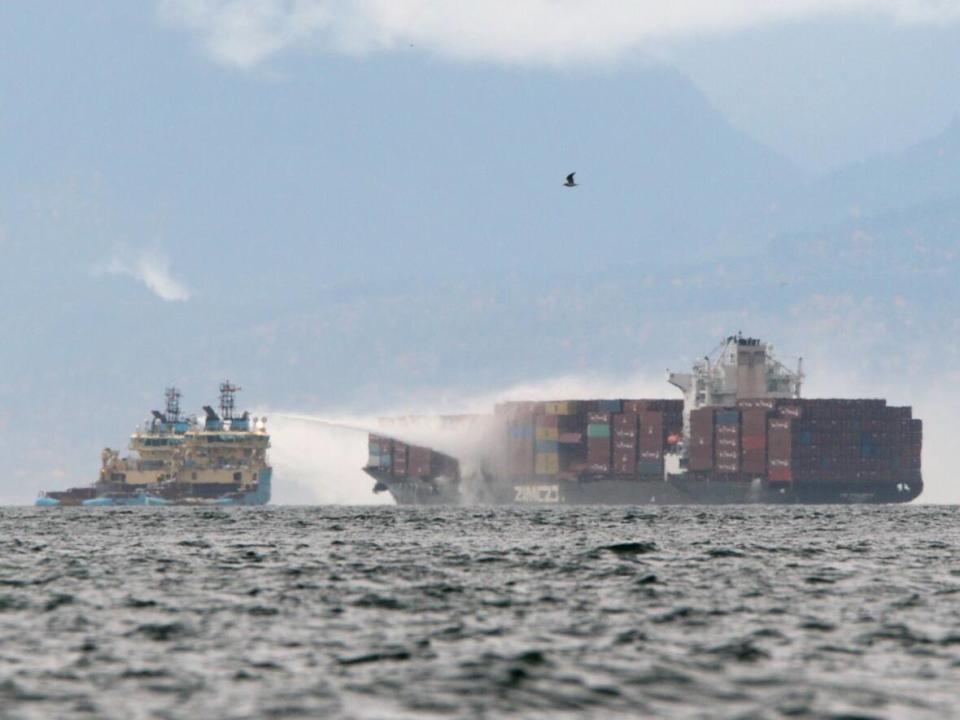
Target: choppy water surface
column 395, row 612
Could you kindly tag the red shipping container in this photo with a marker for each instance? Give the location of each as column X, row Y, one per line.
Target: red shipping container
column 780, row 475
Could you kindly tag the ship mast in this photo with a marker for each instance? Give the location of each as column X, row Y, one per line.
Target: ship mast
column 227, row 394
column 173, row 405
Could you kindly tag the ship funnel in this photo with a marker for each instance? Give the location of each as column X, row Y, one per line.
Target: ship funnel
column 213, row 421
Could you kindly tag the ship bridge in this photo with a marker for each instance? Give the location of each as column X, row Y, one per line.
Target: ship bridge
column 740, row 368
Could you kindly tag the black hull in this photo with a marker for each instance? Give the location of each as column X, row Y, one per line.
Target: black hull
column 676, row 490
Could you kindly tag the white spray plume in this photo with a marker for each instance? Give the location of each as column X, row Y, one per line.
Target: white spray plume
column 318, row 457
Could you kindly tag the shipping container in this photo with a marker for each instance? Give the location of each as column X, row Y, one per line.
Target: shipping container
column 635, row 407
column 598, row 431
column 565, row 407
column 547, row 464
column 400, row 464
column 418, row 461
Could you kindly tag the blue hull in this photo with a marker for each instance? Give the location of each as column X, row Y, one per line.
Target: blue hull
column 260, row 496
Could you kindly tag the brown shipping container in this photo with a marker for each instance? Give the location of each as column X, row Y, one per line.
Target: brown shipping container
column 701, row 440
column 651, row 431
column 599, row 454
column 779, row 447
column 625, row 425
column 754, row 421
column 418, row 461
column 624, row 458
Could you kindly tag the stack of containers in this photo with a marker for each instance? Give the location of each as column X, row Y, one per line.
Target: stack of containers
column 651, row 443
column 609, row 406
column 727, row 444
column 520, row 446
column 562, row 407
column 625, row 443
column 373, row 451
column 636, row 407
column 672, row 418
column 598, row 442
column 850, row 440
column 916, row 444
column 444, row 466
column 381, row 452
column 780, row 450
column 419, row 461
column 700, row 456
column 400, row 458
column 753, row 436
column 547, row 443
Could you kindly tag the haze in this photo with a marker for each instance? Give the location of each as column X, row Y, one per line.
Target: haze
column 356, row 207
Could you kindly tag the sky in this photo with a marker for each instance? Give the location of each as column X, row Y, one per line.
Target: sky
column 354, row 207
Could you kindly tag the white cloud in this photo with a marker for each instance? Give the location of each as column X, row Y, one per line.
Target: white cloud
column 243, row 33
column 153, row 270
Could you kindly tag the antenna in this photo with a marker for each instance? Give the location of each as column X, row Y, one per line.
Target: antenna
column 173, row 404
column 227, row 393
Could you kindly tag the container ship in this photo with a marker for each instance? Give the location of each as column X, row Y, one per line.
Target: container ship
column 177, row 460
column 741, row 433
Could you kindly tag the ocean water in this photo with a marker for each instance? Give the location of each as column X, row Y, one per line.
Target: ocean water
column 752, row 612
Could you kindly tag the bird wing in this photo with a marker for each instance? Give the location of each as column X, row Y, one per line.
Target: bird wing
column 570, row 177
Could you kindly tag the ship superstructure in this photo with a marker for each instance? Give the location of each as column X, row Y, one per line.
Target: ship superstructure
column 181, row 460
column 738, row 369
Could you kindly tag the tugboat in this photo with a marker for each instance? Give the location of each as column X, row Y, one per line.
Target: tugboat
column 177, row 460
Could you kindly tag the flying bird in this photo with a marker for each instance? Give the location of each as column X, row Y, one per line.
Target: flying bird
column 570, row 182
